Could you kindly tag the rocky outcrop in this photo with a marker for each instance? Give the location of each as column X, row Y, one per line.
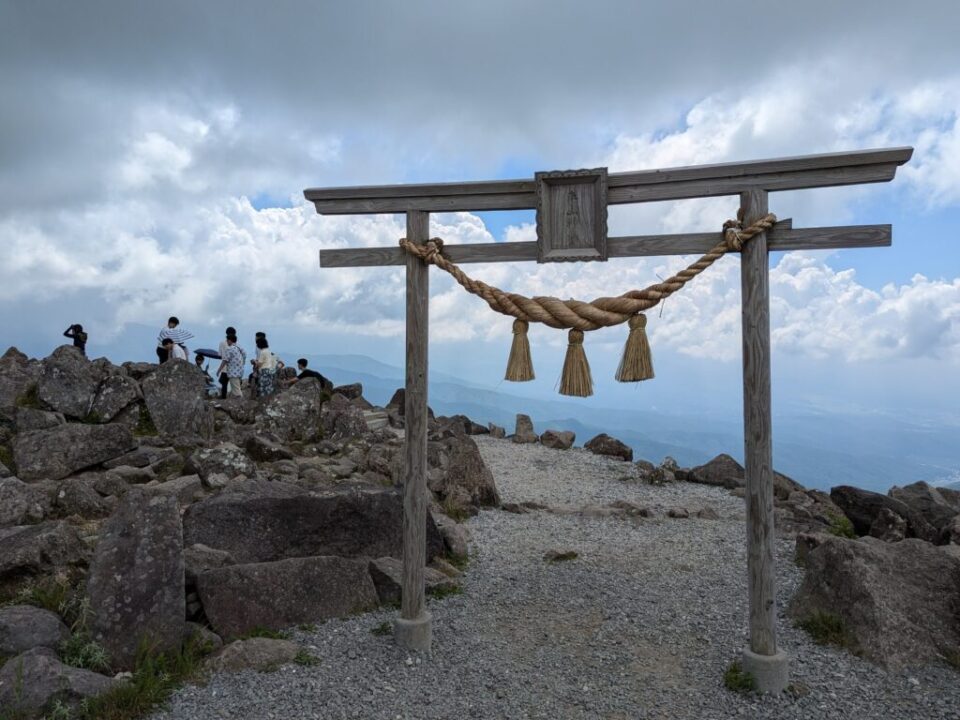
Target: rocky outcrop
column 466, row 476
column 33, row 682
column 558, row 439
column 20, row 504
column 938, row 506
column 175, row 398
column 136, row 579
column 31, row 550
column 67, row 382
column 523, row 433
column 276, row 595
column 23, row 627
column 293, row 414
column 77, row 496
column 864, row 507
column 353, row 391
column 726, row 472
column 603, row 444
column 33, row 419
column 259, row 521
column 63, row 450
column 342, row 420
column 17, row 375
column 263, row 449
column 115, row 393
column 897, row 601
column 225, row 459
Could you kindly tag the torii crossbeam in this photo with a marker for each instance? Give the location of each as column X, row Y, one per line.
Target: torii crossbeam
column 591, row 191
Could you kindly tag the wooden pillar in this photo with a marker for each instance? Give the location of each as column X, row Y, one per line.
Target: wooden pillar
column 762, row 659
column 412, row 629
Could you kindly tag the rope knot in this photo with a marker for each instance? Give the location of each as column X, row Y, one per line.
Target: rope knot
column 732, row 234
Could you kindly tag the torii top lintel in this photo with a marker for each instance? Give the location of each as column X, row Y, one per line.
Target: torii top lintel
column 793, row 173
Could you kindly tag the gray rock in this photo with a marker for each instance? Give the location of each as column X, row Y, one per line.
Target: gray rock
column 262, row 654
column 603, row 444
column 67, row 384
column 197, row 558
column 175, row 398
column 863, row 507
column 258, row 521
column 897, row 600
column 5, row 472
column 387, row 575
column 888, row 526
column 351, row 391
column 938, row 506
column 276, row 595
column 127, row 475
column 293, row 414
column 46, row 548
column 726, row 472
column 524, row 432
column 708, row 513
column 456, row 537
column 34, row 681
column 32, row 419
column 342, row 420
column 954, row 530
column 17, row 375
column 115, row 393
column 497, row 431
column 20, row 504
column 660, row 476
column 398, row 404
column 185, row 489
column 808, row 511
column 206, row 638
column 23, row 627
column 77, row 496
column 263, row 450
column 136, row 580
column 678, row 512
column 558, row 439
column 138, row 370
column 467, row 473
column 805, row 544
column 61, row 451
column 668, row 463
column 224, row 459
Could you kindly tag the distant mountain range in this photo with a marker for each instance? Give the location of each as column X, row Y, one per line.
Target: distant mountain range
column 819, row 449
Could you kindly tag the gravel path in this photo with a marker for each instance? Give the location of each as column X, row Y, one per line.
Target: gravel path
column 641, row 625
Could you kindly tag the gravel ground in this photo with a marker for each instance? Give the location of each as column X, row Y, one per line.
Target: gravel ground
column 641, row 625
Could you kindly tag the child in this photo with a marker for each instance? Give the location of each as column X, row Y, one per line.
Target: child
column 75, row 332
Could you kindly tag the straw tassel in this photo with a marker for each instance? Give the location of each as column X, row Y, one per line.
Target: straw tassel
column 520, row 365
column 576, row 378
column 636, row 363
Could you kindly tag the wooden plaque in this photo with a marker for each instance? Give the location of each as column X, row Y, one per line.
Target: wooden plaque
column 572, row 215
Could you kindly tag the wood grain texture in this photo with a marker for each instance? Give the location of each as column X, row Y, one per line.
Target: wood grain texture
column 415, row 410
column 572, row 215
column 781, row 237
column 758, row 439
column 864, row 166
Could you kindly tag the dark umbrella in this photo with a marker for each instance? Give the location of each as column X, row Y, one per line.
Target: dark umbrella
column 207, row 352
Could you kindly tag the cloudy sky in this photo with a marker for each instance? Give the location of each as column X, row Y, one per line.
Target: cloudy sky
column 153, row 158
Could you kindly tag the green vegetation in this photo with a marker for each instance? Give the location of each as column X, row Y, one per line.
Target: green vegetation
column 736, row 680
column 460, row 562
column 30, row 399
column 92, row 418
column 144, row 424
column 556, row 557
column 307, row 627
column 382, row 629
column 444, row 591
column 828, row 629
column 263, row 632
column 82, row 651
column 952, row 656
column 49, row 593
column 6, row 457
column 841, row 526
column 454, row 510
column 306, row 659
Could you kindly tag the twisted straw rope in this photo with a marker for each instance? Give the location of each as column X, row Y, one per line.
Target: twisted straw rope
column 602, row 312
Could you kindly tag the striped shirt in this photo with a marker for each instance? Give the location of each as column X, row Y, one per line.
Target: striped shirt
column 177, row 334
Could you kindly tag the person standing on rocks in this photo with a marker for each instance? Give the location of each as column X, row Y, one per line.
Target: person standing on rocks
column 222, row 377
column 266, row 365
column 75, row 332
column 173, row 332
column 232, row 363
column 174, row 351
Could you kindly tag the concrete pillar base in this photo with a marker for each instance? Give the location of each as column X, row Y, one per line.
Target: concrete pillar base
column 414, row 634
column 771, row 672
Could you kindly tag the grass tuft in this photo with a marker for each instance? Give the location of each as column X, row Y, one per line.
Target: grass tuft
column 460, row 562
column 445, row 591
column 828, row 629
column 307, row 627
column 952, row 656
column 81, row 651
column 144, row 424
column 736, row 679
column 263, row 632
column 30, row 399
column 454, row 510
column 382, row 629
column 841, row 526
column 304, row 658
column 555, row 556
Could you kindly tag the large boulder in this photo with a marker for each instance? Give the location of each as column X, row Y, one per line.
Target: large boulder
column 387, row 575
column 20, row 504
column 294, row 414
column 115, row 393
column 136, row 579
column 23, row 627
column 17, row 375
column 342, row 420
column 63, row 450
column 864, row 508
column 558, row 439
column 33, row 419
column 33, row 682
column 31, row 550
column 603, row 444
column 67, row 383
column 726, row 472
column 897, row 601
column 524, row 430
column 467, row 475
column 225, row 459
column 276, row 595
column 938, row 506
column 175, row 398
column 77, row 496
column 807, row 511
column 260, row 521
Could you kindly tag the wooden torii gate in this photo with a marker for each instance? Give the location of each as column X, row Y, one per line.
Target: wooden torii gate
column 593, row 190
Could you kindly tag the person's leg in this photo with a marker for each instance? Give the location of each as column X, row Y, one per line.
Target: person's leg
column 235, row 390
column 224, row 384
column 161, row 355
